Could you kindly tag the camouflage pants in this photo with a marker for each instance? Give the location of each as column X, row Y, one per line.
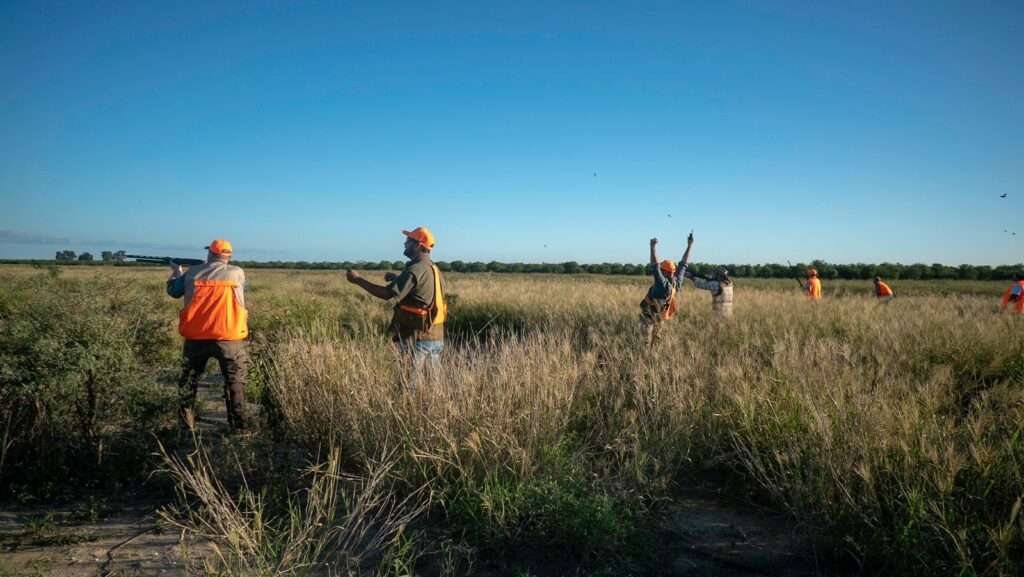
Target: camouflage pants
column 234, row 365
column 650, row 324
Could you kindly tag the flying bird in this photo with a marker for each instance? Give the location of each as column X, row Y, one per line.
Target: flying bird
column 1003, row 195
column 595, row 174
column 670, row 216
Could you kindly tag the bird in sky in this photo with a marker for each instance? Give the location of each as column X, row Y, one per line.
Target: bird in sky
column 595, row 174
column 670, row 216
column 1003, row 195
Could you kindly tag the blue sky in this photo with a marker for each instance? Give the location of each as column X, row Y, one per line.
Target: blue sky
column 535, row 132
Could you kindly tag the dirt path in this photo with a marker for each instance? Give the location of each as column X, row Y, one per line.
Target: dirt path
column 54, row 542
column 699, row 536
column 711, row 537
column 101, row 538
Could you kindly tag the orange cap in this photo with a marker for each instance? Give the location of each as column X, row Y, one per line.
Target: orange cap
column 220, row 246
column 667, row 266
column 421, row 235
column 812, row 272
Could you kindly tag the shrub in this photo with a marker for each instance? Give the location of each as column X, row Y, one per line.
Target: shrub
column 76, row 375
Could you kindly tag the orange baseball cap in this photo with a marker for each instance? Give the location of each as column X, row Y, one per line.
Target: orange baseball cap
column 812, row 272
column 668, row 266
column 221, row 247
column 421, row 235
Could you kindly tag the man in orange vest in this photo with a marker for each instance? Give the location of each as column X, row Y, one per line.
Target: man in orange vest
column 214, row 323
column 883, row 293
column 812, row 288
column 662, row 300
column 418, row 293
column 1013, row 298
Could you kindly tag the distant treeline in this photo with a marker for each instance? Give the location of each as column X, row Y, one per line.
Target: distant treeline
column 892, row 271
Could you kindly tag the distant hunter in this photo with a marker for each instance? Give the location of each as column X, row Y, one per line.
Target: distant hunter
column 812, row 286
column 1013, row 298
column 662, row 299
column 720, row 287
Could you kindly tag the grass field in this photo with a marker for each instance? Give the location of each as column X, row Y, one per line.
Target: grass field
column 891, row 433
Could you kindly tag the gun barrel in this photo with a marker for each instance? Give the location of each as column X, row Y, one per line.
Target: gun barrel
column 165, row 260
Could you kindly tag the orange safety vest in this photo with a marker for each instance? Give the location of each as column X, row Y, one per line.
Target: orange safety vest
column 214, row 313
column 1018, row 303
column 814, row 288
column 670, row 308
column 439, row 308
column 883, row 290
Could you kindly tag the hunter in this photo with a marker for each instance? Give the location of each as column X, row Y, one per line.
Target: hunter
column 883, row 292
column 214, row 323
column 811, row 288
column 1013, row 298
column 417, row 325
column 720, row 286
column 662, row 299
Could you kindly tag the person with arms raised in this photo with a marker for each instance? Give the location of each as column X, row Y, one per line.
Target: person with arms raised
column 661, row 302
column 1013, row 297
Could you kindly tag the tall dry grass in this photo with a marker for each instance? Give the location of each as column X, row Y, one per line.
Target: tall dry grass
column 894, row 430
column 331, row 526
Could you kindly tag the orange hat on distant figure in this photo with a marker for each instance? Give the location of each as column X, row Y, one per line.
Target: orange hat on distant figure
column 421, row 235
column 221, row 247
column 812, row 272
column 667, row 267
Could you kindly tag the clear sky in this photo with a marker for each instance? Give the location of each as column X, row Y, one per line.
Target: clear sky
column 525, row 131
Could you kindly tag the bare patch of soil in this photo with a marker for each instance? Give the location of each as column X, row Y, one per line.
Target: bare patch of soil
column 707, row 536
column 127, row 543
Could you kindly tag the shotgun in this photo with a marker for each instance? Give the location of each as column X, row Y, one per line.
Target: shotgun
column 165, row 260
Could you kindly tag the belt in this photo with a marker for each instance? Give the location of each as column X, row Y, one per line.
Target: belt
column 420, row 312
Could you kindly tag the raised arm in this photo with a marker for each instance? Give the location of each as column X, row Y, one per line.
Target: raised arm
column 381, row 292
column 654, row 253
column 686, row 255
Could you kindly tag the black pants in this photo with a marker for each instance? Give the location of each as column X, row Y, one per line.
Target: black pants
column 234, row 365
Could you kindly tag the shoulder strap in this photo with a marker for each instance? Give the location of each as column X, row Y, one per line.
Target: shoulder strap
column 438, row 308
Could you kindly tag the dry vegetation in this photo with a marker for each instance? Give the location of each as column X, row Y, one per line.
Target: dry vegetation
column 893, row 432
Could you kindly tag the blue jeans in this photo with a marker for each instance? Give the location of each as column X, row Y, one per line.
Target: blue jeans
column 423, row 353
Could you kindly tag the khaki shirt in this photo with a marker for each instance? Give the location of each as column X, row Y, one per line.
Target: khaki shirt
column 721, row 294
column 415, row 287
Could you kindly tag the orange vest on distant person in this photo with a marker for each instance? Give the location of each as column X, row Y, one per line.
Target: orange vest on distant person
column 670, row 307
column 1018, row 303
column 814, row 288
column 883, row 290
column 214, row 313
